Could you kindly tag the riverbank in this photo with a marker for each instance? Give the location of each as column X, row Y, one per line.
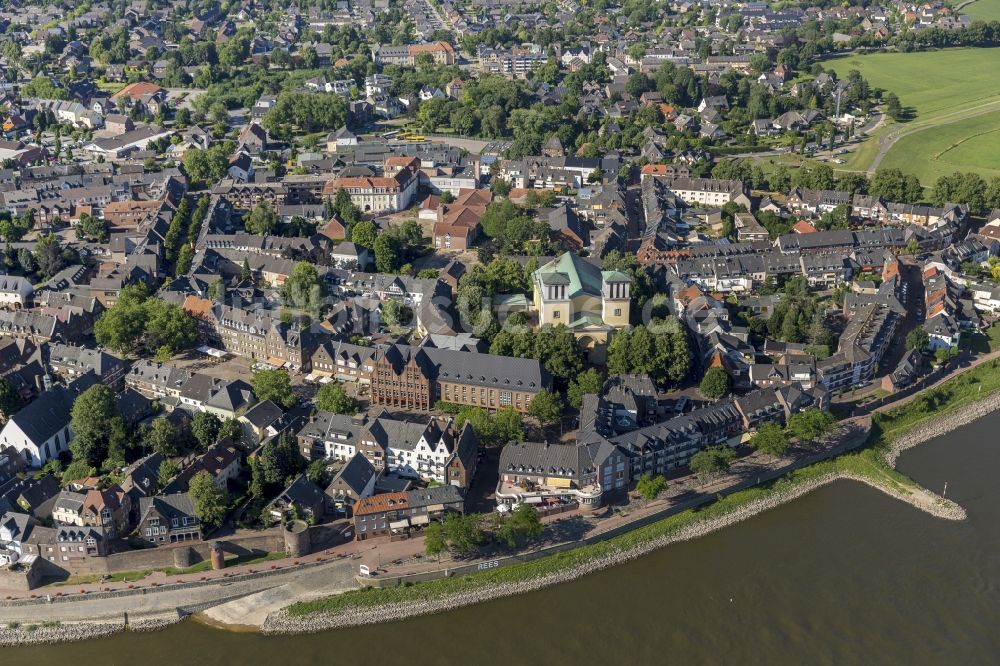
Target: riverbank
column 937, row 426
column 60, row 632
column 898, row 429
column 369, row 606
column 927, row 416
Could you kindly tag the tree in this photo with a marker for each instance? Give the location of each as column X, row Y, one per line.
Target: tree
column 363, row 233
column 161, row 437
column 434, row 541
column 917, row 339
column 333, row 398
column 10, row 400
column 262, row 221
column 649, row 487
column 78, row 469
column 168, row 469
column 893, row 107
column 386, row 254
column 712, row 461
column 168, row 327
column 547, row 407
column 209, row 499
column 463, row 532
column 231, row 430
column 587, row 382
column 770, row 439
column 206, row 166
column 317, row 472
column 302, row 289
column 660, row 349
column 139, row 321
column 92, row 411
column 522, row 524
column 810, row 424
column 278, row 460
column 274, row 385
column 26, row 260
column 92, row 229
column 205, row 428
column 49, row 256
column 395, row 313
column 715, row 384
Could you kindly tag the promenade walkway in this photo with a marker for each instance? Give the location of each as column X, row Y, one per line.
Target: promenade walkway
column 339, row 564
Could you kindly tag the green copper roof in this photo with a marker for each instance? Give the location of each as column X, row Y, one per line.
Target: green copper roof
column 584, row 277
column 615, row 276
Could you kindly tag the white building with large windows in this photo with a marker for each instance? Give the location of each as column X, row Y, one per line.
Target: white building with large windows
column 40, row 431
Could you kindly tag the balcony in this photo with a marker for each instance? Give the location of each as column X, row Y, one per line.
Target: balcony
column 534, row 493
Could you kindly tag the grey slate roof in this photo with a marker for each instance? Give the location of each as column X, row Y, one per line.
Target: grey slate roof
column 355, row 474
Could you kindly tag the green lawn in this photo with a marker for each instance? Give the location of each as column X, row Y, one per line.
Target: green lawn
column 934, row 83
column 968, row 145
column 927, row 83
column 982, row 343
column 983, row 10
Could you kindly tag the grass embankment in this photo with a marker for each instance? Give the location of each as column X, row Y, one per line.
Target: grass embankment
column 983, row 10
column 868, row 463
column 957, row 392
column 138, row 574
column 941, row 101
column 966, row 145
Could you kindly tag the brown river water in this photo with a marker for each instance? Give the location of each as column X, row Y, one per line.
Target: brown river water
column 843, row 575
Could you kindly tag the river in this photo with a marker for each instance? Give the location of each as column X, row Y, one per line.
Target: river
column 843, row 575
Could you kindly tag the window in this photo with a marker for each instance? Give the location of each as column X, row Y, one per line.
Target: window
column 556, row 314
column 618, row 312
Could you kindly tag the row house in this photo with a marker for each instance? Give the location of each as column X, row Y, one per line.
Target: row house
column 516, row 63
column 432, row 451
column 258, row 336
column 412, row 291
column 246, row 196
column 807, row 201
column 708, row 191
column 395, row 514
column 270, row 246
column 342, row 361
column 329, row 436
column 168, row 518
column 540, row 473
column 864, row 342
column 67, row 546
column 442, row 53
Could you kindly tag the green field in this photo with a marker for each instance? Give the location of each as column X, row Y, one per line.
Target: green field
column 969, row 145
column 946, row 90
column 934, row 83
column 983, row 10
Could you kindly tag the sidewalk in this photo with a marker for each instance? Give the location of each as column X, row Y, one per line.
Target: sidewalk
column 396, row 558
